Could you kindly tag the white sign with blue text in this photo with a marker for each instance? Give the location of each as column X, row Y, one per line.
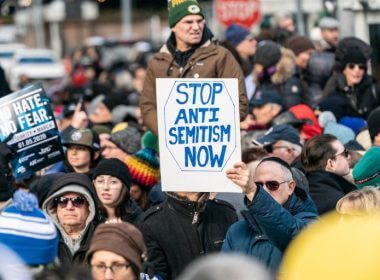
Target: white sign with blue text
column 199, row 133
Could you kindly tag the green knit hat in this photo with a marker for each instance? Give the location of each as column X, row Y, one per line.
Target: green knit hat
column 178, row 9
column 367, row 171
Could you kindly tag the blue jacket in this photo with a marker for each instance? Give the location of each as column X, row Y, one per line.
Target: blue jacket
column 268, row 227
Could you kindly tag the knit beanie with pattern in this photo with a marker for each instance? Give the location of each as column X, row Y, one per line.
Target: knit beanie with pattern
column 144, row 167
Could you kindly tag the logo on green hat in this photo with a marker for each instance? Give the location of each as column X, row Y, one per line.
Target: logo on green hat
column 193, row 9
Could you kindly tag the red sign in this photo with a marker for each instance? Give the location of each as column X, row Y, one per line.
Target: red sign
column 243, row 12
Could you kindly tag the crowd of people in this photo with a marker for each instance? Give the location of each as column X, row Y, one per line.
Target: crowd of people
column 310, row 131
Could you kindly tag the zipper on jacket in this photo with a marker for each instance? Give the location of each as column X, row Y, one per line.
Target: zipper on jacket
column 195, row 218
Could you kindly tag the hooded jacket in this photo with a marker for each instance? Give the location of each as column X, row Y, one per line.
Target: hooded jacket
column 268, row 227
column 326, row 188
column 206, row 61
column 72, row 251
column 178, row 231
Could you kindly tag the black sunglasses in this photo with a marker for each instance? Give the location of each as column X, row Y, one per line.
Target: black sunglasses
column 271, row 185
column 345, row 153
column 77, row 201
column 352, row 66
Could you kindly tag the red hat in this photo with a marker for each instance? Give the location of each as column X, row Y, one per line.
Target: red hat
column 302, row 111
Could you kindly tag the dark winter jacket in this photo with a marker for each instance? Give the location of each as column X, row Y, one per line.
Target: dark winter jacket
column 326, row 188
column 178, row 231
column 268, row 227
column 284, row 80
column 361, row 99
column 77, row 183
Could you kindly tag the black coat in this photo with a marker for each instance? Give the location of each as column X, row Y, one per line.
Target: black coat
column 327, row 188
column 175, row 235
column 361, row 99
column 79, row 257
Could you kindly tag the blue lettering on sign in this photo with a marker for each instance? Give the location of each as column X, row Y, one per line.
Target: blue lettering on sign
column 199, row 93
column 204, row 156
column 197, row 126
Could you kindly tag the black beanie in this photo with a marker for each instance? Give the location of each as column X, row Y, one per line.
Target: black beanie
column 374, row 123
column 354, row 55
column 114, row 99
column 113, row 167
column 268, row 53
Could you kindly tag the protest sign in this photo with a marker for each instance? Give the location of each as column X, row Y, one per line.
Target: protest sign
column 27, row 115
column 199, row 133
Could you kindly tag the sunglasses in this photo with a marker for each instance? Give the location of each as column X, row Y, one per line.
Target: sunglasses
column 77, row 201
column 271, row 185
column 345, row 153
column 353, row 65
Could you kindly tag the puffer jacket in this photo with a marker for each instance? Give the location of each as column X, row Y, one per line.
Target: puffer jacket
column 208, row 61
column 361, row 99
column 268, row 227
column 77, row 183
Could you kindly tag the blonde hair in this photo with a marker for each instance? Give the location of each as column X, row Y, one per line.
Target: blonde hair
column 364, row 201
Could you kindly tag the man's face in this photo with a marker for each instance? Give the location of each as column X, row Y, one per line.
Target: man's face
column 263, row 114
column 283, row 150
column 188, row 31
column 272, row 171
column 72, row 215
column 340, row 163
column 330, row 35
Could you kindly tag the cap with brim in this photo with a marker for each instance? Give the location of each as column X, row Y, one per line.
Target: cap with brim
column 262, row 97
column 276, row 133
column 82, row 137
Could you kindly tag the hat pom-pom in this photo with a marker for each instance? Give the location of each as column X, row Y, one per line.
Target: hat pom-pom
column 25, row 201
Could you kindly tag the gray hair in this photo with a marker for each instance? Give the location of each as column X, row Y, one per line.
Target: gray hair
column 225, row 266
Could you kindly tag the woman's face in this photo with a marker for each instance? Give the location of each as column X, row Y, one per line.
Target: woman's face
column 135, row 192
column 108, row 189
column 354, row 73
column 106, row 265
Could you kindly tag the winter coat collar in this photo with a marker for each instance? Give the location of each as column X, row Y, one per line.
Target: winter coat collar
column 298, row 202
column 186, row 207
column 333, row 180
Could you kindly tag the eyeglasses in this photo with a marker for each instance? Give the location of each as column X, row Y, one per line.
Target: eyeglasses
column 77, row 201
column 111, row 182
column 115, row 267
column 345, row 153
column 353, row 65
column 271, row 185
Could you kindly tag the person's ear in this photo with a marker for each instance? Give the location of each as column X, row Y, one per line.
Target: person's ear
column 329, row 165
column 291, row 187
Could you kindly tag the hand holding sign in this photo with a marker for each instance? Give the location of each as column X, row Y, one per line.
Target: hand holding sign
column 80, row 118
column 241, row 176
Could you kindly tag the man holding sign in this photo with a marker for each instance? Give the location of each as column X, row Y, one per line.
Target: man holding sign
column 189, row 52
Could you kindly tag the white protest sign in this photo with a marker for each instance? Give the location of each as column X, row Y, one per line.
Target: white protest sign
column 199, row 133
